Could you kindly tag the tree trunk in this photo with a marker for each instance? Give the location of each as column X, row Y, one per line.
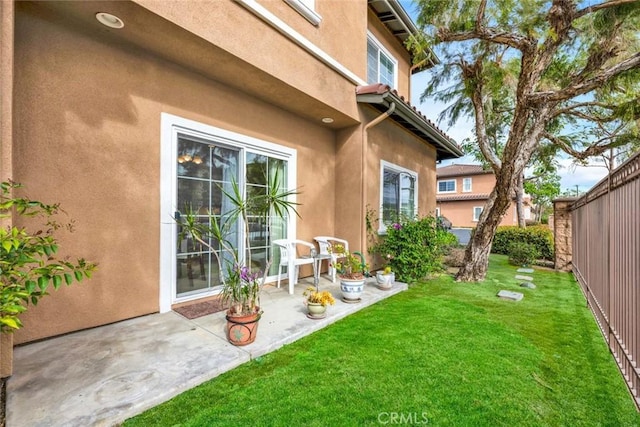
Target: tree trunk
column 520, row 201
column 476, row 256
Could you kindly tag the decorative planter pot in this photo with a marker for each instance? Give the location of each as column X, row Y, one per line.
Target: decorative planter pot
column 242, row 329
column 316, row 310
column 385, row 281
column 351, row 289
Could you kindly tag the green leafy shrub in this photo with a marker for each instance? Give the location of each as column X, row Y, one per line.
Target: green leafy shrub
column 538, row 236
column 415, row 246
column 522, row 253
column 28, row 263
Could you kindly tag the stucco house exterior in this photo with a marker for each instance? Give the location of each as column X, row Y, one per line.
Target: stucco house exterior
column 126, row 111
column 462, row 191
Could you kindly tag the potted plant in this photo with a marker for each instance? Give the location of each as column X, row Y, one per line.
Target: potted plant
column 386, row 278
column 352, row 272
column 317, row 302
column 240, row 285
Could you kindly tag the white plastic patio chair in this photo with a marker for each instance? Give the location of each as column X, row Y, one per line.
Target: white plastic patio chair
column 325, row 243
column 289, row 258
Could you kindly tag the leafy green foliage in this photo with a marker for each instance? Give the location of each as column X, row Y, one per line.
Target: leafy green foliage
column 522, row 253
column 28, row 262
column 416, row 247
column 539, row 237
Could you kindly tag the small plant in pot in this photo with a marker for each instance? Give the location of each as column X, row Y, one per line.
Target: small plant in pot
column 352, row 271
column 240, row 285
column 317, row 302
column 386, row 278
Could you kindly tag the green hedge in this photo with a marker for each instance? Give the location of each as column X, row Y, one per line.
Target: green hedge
column 538, row 236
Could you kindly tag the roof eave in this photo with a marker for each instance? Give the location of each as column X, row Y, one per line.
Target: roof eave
column 446, row 148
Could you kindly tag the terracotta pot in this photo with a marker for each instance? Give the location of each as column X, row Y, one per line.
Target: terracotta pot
column 316, row 309
column 242, row 329
column 351, row 288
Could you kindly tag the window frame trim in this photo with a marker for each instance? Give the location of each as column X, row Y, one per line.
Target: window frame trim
column 455, row 186
column 383, row 49
column 307, row 11
column 470, row 184
column 382, row 228
column 171, row 127
column 474, row 219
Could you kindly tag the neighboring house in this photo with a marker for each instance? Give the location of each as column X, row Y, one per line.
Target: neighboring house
column 463, row 190
column 126, row 111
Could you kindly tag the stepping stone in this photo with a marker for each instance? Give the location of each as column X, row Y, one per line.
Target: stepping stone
column 527, row 285
column 525, row 270
column 512, row 296
column 527, row 278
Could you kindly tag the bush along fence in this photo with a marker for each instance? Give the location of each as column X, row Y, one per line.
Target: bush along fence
column 606, row 262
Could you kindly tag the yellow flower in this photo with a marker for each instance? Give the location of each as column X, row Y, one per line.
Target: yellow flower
column 319, row 297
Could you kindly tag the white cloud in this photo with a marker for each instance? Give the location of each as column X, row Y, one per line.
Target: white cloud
column 584, row 177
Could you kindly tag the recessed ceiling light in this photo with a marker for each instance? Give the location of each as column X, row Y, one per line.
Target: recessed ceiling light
column 327, row 120
column 109, row 20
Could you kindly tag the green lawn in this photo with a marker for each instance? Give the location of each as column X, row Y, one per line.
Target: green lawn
column 442, row 353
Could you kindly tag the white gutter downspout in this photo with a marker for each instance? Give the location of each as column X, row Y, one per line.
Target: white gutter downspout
column 365, row 150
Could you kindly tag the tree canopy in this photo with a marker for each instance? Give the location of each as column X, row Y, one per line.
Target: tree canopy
column 533, row 73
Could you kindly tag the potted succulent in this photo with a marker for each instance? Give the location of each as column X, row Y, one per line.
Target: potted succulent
column 240, row 285
column 386, row 278
column 352, row 272
column 317, row 302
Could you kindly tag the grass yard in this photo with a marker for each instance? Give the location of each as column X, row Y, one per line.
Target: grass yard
column 442, row 353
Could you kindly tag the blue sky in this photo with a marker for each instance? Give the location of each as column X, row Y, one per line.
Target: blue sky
column 570, row 175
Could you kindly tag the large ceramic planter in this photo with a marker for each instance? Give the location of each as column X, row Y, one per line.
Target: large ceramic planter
column 351, row 289
column 242, row 329
column 316, row 310
column 385, row 281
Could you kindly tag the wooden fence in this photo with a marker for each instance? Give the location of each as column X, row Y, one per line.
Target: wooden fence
column 606, row 263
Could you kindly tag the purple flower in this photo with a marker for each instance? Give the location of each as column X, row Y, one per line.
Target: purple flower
column 397, row 226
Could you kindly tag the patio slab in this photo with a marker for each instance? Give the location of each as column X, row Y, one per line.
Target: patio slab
column 102, row 376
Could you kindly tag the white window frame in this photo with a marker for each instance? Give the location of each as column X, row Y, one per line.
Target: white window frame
column 382, row 227
column 306, row 8
column 446, row 180
column 466, row 184
column 381, row 49
column 476, row 218
column 172, row 126
column 437, row 212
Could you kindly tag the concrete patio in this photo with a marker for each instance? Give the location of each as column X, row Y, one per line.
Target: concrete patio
column 105, row 375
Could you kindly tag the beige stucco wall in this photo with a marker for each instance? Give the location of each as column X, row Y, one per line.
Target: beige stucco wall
column 87, row 123
column 460, row 213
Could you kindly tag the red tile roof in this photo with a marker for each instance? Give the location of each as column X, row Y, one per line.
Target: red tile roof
column 460, row 170
column 459, row 197
column 448, row 148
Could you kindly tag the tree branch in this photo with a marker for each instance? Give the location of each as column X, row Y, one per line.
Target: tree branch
column 594, row 149
column 596, row 7
column 588, row 85
column 513, row 40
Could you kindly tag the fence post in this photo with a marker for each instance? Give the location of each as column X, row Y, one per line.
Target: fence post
column 562, row 232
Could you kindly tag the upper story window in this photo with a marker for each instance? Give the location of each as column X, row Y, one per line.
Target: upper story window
column 466, row 185
column 381, row 66
column 306, row 8
column 399, row 189
column 447, row 186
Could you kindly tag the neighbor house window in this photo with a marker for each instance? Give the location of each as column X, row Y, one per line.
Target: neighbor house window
column 381, row 66
column 399, row 188
column 447, row 186
column 466, row 185
column 477, row 211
